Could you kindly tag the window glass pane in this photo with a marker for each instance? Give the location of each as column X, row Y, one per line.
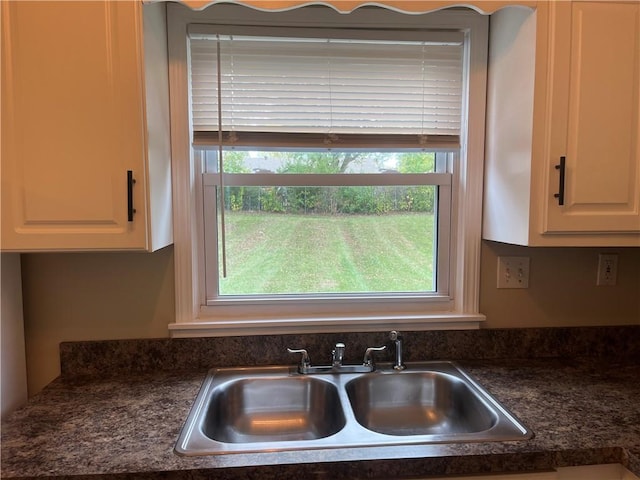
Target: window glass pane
column 305, row 240
column 255, row 161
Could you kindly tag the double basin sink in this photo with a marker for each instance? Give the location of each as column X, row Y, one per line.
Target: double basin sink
column 242, row 410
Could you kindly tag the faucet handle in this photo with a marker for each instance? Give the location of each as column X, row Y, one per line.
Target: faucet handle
column 368, row 355
column 305, row 361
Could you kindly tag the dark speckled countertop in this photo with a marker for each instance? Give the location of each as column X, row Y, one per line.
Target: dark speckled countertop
column 583, row 410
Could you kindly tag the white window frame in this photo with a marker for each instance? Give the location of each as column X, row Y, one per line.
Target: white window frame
column 459, row 311
column 441, row 180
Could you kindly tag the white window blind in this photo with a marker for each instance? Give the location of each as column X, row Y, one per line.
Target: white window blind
column 327, row 85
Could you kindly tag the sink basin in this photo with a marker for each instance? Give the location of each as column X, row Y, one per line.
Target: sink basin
column 242, row 410
column 418, row 403
column 273, row 408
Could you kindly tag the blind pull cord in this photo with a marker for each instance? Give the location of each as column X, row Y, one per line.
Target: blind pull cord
column 223, row 237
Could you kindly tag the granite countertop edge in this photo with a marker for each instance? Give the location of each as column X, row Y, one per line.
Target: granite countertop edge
column 582, row 411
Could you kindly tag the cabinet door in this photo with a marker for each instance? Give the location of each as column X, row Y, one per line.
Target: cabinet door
column 72, row 126
column 594, row 107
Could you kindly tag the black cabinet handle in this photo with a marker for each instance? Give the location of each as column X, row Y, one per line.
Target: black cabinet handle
column 561, row 167
column 130, row 182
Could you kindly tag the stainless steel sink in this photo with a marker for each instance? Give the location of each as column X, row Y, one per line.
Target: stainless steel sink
column 241, row 410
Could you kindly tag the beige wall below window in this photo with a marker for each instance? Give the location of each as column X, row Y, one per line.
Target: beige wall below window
column 104, row 296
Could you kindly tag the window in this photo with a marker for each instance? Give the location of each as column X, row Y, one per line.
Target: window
column 327, row 176
column 295, row 234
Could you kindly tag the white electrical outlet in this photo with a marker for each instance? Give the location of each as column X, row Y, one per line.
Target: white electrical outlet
column 607, row 269
column 513, row 272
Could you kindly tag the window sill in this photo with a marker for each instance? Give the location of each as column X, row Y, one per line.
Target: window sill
column 227, row 328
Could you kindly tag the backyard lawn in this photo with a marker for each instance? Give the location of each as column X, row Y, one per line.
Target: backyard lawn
column 272, row 253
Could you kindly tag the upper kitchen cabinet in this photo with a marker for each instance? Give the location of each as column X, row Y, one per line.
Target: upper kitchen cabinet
column 563, row 143
column 85, row 127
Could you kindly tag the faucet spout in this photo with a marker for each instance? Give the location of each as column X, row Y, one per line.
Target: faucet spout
column 396, row 338
column 337, row 355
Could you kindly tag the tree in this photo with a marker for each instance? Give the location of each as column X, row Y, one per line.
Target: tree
column 234, row 163
column 317, row 199
column 416, row 162
column 324, row 162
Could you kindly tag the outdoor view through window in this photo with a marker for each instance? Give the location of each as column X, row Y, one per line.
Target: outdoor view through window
column 356, row 234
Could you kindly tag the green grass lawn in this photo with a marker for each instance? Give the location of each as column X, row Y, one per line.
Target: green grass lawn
column 279, row 253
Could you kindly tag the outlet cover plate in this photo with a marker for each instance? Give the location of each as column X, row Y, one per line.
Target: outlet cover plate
column 607, row 269
column 513, row 272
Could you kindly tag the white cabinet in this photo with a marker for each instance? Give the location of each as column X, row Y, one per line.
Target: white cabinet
column 564, row 82
column 81, row 113
column 595, row 100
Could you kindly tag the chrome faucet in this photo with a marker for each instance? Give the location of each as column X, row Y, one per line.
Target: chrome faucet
column 337, row 355
column 396, row 338
column 337, row 358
